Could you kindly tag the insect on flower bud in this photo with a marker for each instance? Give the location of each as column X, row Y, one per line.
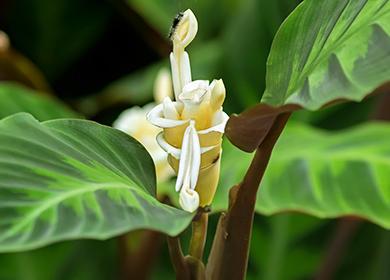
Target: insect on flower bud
column 184, row 29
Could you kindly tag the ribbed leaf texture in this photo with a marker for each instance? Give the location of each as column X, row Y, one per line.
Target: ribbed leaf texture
column 325, row 174
column 68, row 179
column 329, row 50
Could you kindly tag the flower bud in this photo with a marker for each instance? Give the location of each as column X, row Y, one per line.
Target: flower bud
column 184, row 29
column 162, row 86
column 189, row 200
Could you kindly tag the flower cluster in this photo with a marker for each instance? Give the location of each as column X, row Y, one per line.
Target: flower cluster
column 193, row 124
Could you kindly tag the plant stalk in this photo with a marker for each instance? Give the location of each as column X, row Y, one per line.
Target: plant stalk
column 199, row 234
column 229, row 255
column 179, row 263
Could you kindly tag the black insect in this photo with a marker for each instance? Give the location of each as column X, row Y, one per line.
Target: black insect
column 175, row 22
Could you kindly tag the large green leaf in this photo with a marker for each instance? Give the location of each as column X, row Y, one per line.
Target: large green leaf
column 68, row 179
column 325, row 174
column 17, row 98
column 329, row 50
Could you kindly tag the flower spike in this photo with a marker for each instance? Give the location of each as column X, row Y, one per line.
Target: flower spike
column 193, row 124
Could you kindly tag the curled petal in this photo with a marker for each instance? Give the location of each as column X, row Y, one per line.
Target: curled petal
column 219, row 123
column 156, row 116
column 189, row 200
column 175, row 152
column 185, row 31
column 169, row 109
column 194, row 92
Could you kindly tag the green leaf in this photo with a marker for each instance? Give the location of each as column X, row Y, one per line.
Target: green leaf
column 329, row 50
column 324, row 174
column 16, row 98
column 69, row 179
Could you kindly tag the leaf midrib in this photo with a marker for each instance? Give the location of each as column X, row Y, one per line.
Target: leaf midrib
column 52, row 201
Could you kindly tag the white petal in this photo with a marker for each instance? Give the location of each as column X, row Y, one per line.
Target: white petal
column 189, row 200
column 175, row 75
column 185, row 69
column 169, row 109
column 186, row 29
column 220, row 120
column 195, row 159
column 218, row 93
column 156, row 117
column 175, row 152
column 195, row 85
column 185, row 158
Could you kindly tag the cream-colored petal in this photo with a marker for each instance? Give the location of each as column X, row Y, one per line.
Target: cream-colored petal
column 189, row 200
column 175, row 152
column 195, row 157
column 218, row 93
column 186, row 30
column 185, row 69
column 185, row 159
column 219, row 121
column 156, row 117
column 162, row 85
column 169, row 109
column 175, row 75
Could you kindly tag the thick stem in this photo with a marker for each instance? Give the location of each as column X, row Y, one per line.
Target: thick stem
column 199, row 233
column 177, row 258
column 229, row 255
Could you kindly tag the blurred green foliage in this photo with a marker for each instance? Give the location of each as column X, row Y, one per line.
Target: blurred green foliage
column 233, row 43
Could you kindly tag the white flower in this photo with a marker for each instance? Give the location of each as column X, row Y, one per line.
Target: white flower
column 133, row 122
column 192, row 125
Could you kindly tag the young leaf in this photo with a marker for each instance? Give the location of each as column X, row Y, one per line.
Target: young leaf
column 336, row 174
column 16, row 98
column 68, row 179
column 329, row 50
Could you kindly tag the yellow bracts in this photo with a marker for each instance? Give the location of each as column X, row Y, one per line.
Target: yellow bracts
column 192, row 125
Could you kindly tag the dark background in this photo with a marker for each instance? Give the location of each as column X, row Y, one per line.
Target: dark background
column 101, row 57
